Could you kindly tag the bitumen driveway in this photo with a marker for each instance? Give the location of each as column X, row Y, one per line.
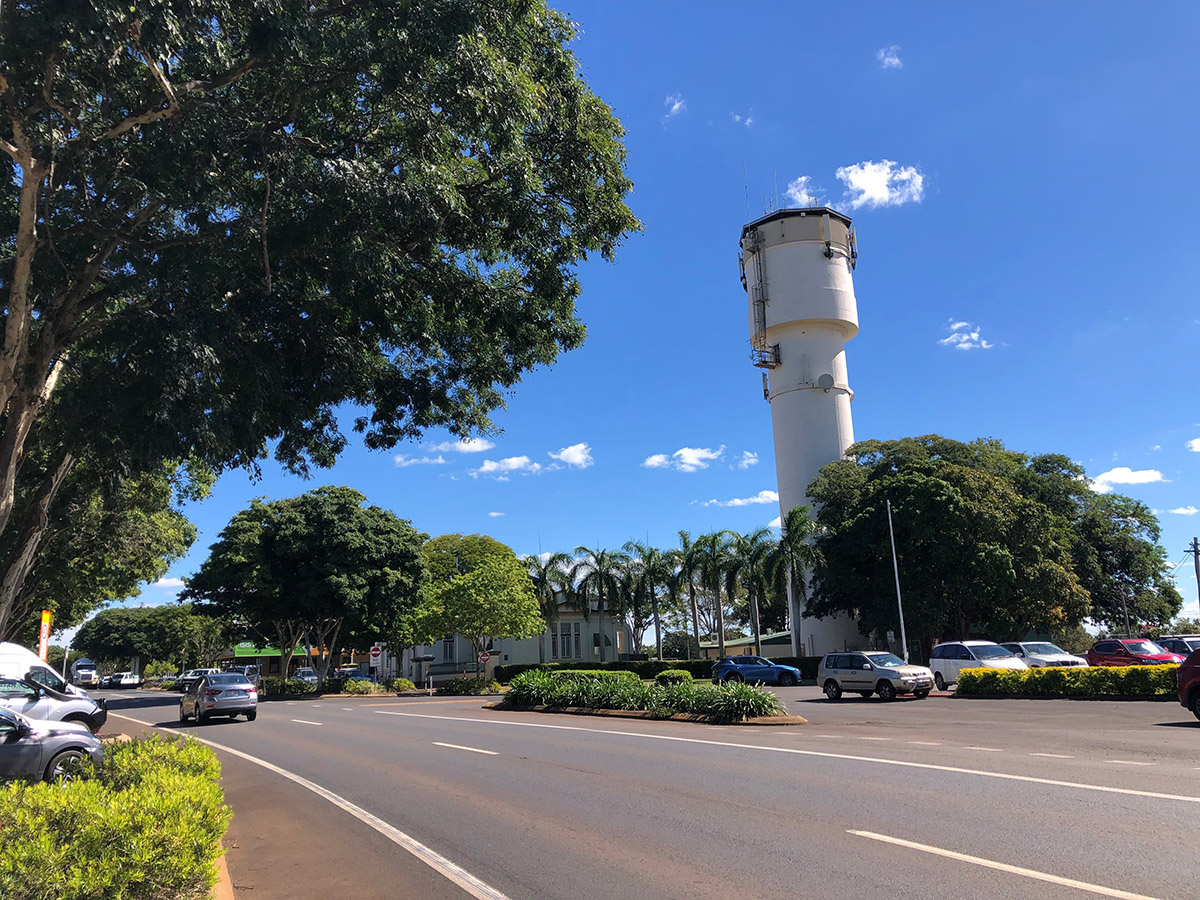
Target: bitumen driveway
column 937, row 799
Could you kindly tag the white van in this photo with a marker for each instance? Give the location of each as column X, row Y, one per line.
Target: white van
column 17, row 662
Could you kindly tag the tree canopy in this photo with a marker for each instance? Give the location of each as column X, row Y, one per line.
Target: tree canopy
column 222, row 221
column 171, row 633
column 318, row 568
column 986, row 537
column 495, row 599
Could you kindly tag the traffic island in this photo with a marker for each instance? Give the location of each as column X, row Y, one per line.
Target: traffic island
column 694, row 718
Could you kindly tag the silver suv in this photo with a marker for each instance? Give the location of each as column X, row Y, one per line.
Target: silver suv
column 870, row 672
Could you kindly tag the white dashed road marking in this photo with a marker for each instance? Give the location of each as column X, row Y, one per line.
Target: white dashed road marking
column 1053, row 755
column 1128, row 762
column 461, row 747
column 306, row 722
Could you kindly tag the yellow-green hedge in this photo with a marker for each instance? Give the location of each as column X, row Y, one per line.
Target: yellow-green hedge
column 1052, row 681
column 147, row 826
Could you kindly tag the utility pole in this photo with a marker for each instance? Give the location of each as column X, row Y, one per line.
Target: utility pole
column 896, row 569
column 1195, row 551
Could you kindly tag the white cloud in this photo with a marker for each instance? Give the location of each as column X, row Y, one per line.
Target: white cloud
column 403, row 461
column 577, row 455
column 760, row 497
column 747, row 119
column 495, row 515
column 1194, row 445
column 685, row 459
column 882, row 183
column 675, row 104
column 748, row 459
column 168, row 583
column 1185, row 511
column 776, row 522
column 964, row 336
column 889, row 57
column 500, row 469
column 1156, row 447
column 1103, row 483
column 800, row 192
column 467, row 445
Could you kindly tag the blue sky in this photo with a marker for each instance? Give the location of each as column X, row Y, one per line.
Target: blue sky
column 1027, row 169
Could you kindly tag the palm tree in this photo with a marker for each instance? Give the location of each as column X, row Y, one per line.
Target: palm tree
column 550, row 578
column 749, row 556
column 793, row 559
column 690, row 557
column 654, row 571
column 711, row 569
column 598, row 573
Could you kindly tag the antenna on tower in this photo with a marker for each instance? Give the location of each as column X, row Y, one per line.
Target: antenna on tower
column 746, row 188
column 775, row 178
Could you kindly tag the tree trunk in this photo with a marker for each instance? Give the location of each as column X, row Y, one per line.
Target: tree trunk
column 695, row 617
column 600, row 624
column 754, row 629
column 720, row 617
column 36, row 523
column 654, row 613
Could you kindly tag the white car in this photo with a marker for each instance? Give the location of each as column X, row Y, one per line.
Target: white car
column 126, row 680
column 948, row 659
column 1040, row 654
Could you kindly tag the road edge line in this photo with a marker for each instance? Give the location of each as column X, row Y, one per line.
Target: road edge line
column 453, row 872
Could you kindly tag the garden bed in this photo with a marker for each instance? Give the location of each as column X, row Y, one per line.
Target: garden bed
column 645, row 714
column 1138, row 683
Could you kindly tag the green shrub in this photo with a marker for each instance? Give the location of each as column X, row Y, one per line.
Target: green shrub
column 363, row 687
column 724, row 703
column 610, row 675
column 167, row 684
column 148, row 828
column 1056, row 681
column 271, row 686
column 457, row 687
column 399, row 684
column 674, row 676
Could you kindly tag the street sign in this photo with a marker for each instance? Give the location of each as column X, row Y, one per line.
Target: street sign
column 484, row 657
column 891, row 636
column 44, row 636
column 376, row 656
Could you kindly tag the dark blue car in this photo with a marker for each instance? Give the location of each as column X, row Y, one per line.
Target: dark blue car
column 754, row 670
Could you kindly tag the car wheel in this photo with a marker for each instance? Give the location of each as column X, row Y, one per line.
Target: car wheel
column 886, row 691
column 920, row 695
column 939, row 681
column 252, row 715
column 60, row 768
column 733, row 677
column 182, row 717
column 833, row 690
column 787, row 679
column 1196, row 703
column 82, row 720
column 201, row 717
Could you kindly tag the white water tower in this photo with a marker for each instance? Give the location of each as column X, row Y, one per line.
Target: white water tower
column 797, row 268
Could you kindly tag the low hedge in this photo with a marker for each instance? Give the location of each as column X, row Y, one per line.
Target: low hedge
column 146, row 826
column 1055, row 681
column 674, row 676
column 399, row 684
column 721, row 704
column 463, row 687
column 270, row 686
column 614, row 675
column 699, row 669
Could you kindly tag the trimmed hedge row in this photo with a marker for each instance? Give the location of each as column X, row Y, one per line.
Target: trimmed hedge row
column 721, row 704
column 463, row 687
column 147, row 827
column 1054, row 681
column 699, row 669
column 674, row 676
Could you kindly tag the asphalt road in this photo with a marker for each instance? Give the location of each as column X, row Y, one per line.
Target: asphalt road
column 941, row 798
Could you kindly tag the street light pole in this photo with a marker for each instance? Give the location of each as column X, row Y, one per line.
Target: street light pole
column 896, row 569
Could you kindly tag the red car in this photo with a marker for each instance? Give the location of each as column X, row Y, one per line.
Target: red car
column 1131, row 652
column 1189, row 683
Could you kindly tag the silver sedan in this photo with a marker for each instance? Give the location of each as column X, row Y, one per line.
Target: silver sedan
column 223, row 694
column 43, row 750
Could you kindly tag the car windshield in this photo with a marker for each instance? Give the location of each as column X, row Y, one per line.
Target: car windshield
column 886, row 660
column 990, row 651
column 1143, row 648
column 227, row 679
column 46, row 678
column 1043, row 649
column 1193, row 643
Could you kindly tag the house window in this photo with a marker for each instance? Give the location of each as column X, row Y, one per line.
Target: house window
column 553, row 642
column 448, row 648
column 578, row 644
column 564, row 631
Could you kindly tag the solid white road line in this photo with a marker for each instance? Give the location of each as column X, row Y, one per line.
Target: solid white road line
column 476, row 887
column 306, row 722
column 1053, row 755
column 461, row 747
column 902, row 763
column 1005, row 867
column 1129, row 762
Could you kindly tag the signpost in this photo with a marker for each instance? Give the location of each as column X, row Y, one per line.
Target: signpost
column 376, row 657
column 484, row 657
column 44, row 636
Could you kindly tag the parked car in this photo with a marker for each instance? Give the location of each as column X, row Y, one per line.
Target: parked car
column 126, row 680
column 36, row 701
column 1188, row 679
column 872, row 672
column 755, row 670
column 306, row 674
column 351, row 673
column 948, row 659
column 1040, row 654
column 43, row 750
column 189, row 678
column 1131, row 652
column 249, row 672
column 219, row 694
column 1183, row 644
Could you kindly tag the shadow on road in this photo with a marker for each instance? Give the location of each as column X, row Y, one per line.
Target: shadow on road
column 1193, row 724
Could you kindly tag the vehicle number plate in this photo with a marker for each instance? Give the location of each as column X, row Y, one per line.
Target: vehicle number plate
column 235, row 693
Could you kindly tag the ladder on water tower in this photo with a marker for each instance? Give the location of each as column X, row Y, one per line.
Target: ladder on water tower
column 762, row 355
